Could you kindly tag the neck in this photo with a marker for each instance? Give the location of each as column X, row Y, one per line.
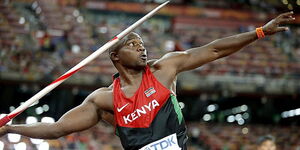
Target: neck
column 130, row 76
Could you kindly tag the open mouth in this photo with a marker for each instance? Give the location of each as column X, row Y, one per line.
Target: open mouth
column 143, row 57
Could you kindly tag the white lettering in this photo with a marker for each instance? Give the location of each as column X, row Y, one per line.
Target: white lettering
column 148, row 106
column 134, row 116
column 154, row 104
column 167, row 143
column 141, row 111
column 126, row 119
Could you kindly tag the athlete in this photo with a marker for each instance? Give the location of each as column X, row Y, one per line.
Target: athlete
column 141, row 102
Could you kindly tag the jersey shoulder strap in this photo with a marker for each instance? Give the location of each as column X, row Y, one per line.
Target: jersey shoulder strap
column 116, row 75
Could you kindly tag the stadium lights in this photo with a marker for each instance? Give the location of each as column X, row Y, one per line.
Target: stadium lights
column 212, row 107
column 290, row 7
column 230, row 119
column 11, row 108
column 13, row 138
column 239, row 109
column 285, row 2
column 31, row 120
column 206, row 117
column 244, row 108
column 20, row 146
column 290, row 113
column 36, row 141
column 46, row 108
column 1, row 145
column 245, row 130
column 238, row 117
column 297, row 112
column 39, row 110
column 43, row 146
column 241, row 121
column 238, row 114
column 181, row 105
column 245, row 115
column 48, row 120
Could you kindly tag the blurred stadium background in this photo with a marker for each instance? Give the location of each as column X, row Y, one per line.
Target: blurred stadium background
column 227, row 104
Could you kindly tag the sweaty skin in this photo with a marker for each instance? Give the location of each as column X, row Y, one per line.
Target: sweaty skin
column 130, row 61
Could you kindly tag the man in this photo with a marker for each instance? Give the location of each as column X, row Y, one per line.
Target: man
column 141, row 102
column 266, row 143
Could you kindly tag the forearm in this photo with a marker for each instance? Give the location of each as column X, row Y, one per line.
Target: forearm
column 229, row 45
column 195, row 57
column 37, row 130
column 79, row 118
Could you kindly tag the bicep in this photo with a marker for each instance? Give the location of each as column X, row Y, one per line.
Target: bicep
column 198, row 57
column 189, row 59
column 79, row 118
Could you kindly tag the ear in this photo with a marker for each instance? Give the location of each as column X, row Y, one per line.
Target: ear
column 114, row 56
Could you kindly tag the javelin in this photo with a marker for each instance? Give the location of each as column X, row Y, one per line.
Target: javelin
column 58, row 81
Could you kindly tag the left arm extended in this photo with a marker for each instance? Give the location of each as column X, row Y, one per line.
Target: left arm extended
column 195, row 57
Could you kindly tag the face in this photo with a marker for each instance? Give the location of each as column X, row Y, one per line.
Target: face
column 267, row 145
column 133, row 54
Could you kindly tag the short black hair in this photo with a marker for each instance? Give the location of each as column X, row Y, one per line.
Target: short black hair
column 122, row 42
column 264, row 138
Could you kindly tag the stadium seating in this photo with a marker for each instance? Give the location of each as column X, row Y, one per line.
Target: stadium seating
column 40, row 40
column 73, row 28
column 233, row 137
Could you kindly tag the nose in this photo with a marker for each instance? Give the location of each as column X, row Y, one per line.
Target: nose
column 141, row 48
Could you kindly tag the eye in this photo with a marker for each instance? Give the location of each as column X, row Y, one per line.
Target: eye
column 131, row 44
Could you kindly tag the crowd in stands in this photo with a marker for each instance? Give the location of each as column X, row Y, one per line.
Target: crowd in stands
column 38, row 40
column 201, row 137
column 265, row 57
column 100, row 137
column 44, row 39
column 60, row 40
column 233, row 137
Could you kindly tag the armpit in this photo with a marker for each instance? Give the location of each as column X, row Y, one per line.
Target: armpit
column 108, row 117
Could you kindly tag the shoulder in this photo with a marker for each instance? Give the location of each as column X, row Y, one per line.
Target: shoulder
column 153, row 65
column 101, row 92
column 168, row 57
column 102, row 97
column 151, row 62
column 168, row 61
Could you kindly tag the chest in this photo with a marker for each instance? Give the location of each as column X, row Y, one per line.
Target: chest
column 146, row 82
column 136, row 106
column 130, row 90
